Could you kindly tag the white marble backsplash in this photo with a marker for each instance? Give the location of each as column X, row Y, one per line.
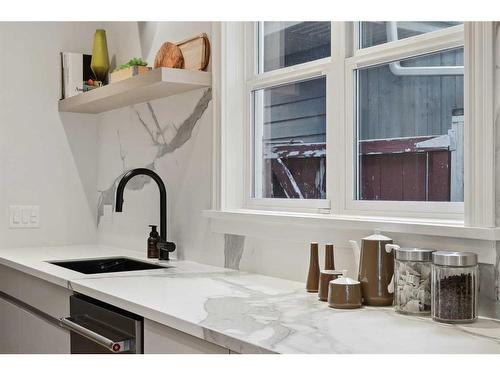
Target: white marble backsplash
column 233, row 250
column 165, row 136
column 171, row 136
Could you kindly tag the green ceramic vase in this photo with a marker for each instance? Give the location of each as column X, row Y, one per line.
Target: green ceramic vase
column 100, row 59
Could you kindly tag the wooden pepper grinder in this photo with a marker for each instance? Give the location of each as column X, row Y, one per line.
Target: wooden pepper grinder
column 312, row 283
column 329, row 260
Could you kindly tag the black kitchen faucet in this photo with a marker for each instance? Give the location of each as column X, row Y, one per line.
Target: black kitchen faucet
column 164, row 246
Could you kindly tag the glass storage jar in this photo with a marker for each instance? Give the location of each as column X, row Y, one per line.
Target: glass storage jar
column 412, row 280
column 454, row 286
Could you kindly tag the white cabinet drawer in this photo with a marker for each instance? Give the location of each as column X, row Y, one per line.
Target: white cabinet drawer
column 160, row 339
column 9, row 326
column 26, row 333
column 47, row 297
column 25, row 330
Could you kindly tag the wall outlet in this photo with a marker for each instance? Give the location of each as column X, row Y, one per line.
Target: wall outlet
column 24, row 216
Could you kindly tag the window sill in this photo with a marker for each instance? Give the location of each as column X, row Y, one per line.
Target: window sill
column 275, row 224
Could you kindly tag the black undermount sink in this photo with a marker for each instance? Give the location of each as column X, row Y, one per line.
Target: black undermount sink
column 106, row 265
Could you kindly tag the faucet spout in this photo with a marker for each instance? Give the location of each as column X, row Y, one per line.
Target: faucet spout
column 163, row 203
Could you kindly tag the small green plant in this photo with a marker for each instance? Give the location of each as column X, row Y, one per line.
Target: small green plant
column 136, row 61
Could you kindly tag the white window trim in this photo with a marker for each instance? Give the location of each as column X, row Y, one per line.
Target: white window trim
column 231, row 146
column 480, row 135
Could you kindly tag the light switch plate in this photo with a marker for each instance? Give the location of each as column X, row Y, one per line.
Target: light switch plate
column 24, row 216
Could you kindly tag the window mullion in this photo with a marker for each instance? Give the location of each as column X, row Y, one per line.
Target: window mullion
column 335, row 134
column 251, row 60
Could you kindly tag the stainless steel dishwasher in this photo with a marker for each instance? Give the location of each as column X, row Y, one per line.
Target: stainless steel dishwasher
column 99, row 328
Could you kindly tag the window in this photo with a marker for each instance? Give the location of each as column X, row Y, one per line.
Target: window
column 283, row 44
column 406, row 120
column 351, row 118
column 288, row 96
column 410, row 129
column 290, row 140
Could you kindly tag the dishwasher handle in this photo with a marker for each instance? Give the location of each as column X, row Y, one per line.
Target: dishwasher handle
column 113, row 346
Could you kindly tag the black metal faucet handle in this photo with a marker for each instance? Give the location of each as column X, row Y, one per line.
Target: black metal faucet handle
column 165, row 247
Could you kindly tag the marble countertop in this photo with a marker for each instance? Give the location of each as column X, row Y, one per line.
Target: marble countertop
column 251, row 313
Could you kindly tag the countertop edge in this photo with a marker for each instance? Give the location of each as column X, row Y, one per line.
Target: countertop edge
column 59, row 281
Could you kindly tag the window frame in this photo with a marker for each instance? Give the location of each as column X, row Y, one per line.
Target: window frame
column 257, row 81
column 432, row 42
column 232, row 180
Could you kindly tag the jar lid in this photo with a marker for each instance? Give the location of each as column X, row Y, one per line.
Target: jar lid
column 376, row 236
column 414, row 254
column 342, row 280
column 454, row 258
column 332, row 272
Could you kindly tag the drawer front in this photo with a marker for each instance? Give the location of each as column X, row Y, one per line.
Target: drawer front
column 23, row 332
column 39, row 337
column 9, row 326
column 160, row 339
column 47, row 297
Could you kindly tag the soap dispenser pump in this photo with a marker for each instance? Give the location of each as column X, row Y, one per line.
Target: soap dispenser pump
column 153, row 239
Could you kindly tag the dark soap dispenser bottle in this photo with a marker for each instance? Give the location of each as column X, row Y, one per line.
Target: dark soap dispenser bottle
column 153, row 239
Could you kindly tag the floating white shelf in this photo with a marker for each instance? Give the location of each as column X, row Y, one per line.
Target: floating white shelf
column 155, row 84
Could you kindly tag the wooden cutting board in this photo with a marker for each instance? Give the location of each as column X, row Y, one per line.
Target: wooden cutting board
column 196, row 52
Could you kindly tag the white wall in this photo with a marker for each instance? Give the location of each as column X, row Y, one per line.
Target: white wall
column 46, row 159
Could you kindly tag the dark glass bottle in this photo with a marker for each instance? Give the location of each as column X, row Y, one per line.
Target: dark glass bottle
column 153, row 239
